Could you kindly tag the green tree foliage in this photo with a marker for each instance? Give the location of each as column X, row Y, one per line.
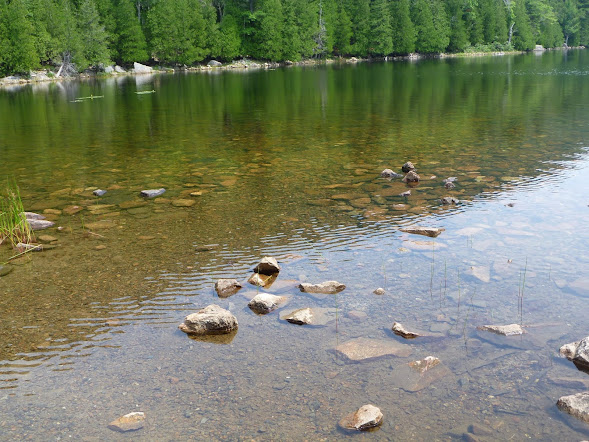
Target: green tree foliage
column 403, row 30
column 130, row 42
column 73, row 34
column 20, row 53
column 523, row 38
column 176, row 28
column 381, row 36
column 94, row 38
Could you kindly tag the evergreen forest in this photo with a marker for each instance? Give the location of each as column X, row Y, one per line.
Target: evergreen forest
column 82, row 34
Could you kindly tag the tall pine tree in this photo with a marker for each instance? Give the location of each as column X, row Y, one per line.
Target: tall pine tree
column 130, row 44
column 381, row 38
column 403, row 30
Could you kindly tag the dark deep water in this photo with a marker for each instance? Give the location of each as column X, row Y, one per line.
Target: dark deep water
column 286, row 163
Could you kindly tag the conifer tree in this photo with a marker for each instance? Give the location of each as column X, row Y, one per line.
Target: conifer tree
column 230, row 39
column 21, row 54
column 424, row 26
column 93, row 35
column 523, row 39
column 131, row 44
column 441, row 25
column 270, row 31
column 360, row 27
column 343, row 31
column 381, row 38
column 403, row 30
column 458, row 35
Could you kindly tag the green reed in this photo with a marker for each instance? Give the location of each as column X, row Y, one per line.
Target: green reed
column 14, row 226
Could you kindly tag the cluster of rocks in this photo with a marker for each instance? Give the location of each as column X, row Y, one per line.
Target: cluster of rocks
column 577, row 404
column 412, row 178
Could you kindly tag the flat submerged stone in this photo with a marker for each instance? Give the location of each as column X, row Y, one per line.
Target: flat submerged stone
column 365, row 349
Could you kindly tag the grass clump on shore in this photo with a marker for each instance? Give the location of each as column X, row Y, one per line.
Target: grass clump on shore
column 13, row 223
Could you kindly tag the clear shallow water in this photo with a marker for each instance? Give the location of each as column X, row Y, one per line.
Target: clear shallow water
column 288, row 164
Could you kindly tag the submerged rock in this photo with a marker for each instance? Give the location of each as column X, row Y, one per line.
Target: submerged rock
column 576, row 405
column 400, row 330
column 411, row 177
column 407, row 167
column 261, row 280
column 388, row 173
column 128, row 422
column 505, row 330
column 40, row 224
column 227, row 287
column 326, row 288
column 417, row 375
column 578, row 353
column 5, row 270
column 449, row 200
column 432, row 232
column 366, row 417
column 364, row 349
column 183, row 202
column 425, row 364
column 267, row 266
column 99, row 192
column 211, row 320
column 152, row 193
column 265, row 303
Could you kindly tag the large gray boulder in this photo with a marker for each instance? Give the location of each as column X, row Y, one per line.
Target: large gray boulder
column 366, row 417
column 578, row 353
column 214, row 63
column 576, row 405
column 326, row 288
column 211, row 320
column 139, row 68
column 40, row 224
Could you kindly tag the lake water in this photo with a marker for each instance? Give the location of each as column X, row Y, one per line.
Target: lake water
column 287, row 163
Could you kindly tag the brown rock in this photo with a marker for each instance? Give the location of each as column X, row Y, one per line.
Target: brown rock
column 128, row 422
column 227, row 287
column 261, row 280
column 365, row 349
column 400, row 330
column 505, row 330
column 211, row 320
column 265, row 303
column 327, row 287
column 432, row 232
column 183, row 203
column 407, row 167
column 366, row 417
column 411, row 177
column 267, row 266
column 576, row 405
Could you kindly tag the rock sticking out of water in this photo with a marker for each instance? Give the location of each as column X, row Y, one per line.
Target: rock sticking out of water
column 211, row 320
column 407, row 167
column 450, row 179
column 227, row 287
column 425, row 364
column 449, row 186
column 388, row 173
column 505, row 330
column 40, row 224
column 265, row 303
column 139, row 68
column 366, row 417
column 99, row 192
column 364, row 349
column 310, row 316
column 449, row 200
column 411, row 177
column 33, row 215
column 432, row 232
column 261, row 280
column 406, row 193
column 128, row 422
column 152, row 193
column 267, row 266
column 576, row 405
column 400, row 330
column 25, row 247
column 326, row 288
column 379, row 291
column 578, row 353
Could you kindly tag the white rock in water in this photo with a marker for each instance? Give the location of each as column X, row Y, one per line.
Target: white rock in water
column 400, row 330
column 327, row 287
column 139, row 68
column 576, row 405
column 33, row 215
column 578, row 352
column 152, row 193
column 505, row 330
column 366, row 417
column 211, row 320
column 40, row 224
column 128, row 422
column 265, row 303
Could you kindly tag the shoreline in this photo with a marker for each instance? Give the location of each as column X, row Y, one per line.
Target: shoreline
column 45, row 76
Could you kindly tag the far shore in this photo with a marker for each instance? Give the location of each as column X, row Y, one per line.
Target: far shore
column 45, row 75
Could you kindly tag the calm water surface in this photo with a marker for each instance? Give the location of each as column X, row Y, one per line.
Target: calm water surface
column 287, row 163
